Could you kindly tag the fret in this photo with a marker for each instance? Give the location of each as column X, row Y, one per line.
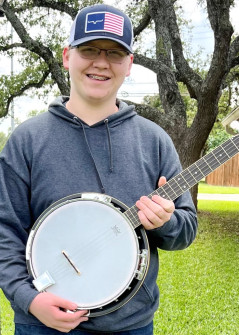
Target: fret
column 221, row 154
column 234, row 140
column 166, row 191
column 170, row 190
column 211, row 161
column 226, row 153
column 175, row 184
column 203, row 166
column 196, row 172
column 132, row 215
column 216, row 158
column 231, row 146
column 191, row 178
column 131, row 212
column 183, row 182
column 162, row 192
column 187, row 180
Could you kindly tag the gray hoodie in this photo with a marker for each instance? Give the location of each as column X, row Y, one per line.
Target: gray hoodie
column 55, row 155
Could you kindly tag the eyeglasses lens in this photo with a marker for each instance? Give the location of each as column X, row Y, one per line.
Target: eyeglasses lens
column 113, row 55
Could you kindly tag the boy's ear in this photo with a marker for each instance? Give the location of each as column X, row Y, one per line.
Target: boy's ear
column 65, row 57
column 130, row 65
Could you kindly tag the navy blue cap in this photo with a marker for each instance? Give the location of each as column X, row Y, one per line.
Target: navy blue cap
column 102, row 22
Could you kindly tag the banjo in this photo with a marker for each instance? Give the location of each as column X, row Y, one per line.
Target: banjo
column 91, row 248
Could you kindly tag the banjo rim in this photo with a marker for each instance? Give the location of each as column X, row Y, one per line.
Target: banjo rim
column 129, row 291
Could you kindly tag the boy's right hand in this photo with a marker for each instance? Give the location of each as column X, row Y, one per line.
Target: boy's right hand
column 50, row 310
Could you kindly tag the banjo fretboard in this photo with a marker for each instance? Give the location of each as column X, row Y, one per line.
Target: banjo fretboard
column 191, row 176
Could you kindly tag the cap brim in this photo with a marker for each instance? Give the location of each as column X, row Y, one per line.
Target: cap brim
column 93, row 38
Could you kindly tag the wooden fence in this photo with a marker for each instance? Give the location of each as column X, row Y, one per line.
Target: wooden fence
column 226, row 175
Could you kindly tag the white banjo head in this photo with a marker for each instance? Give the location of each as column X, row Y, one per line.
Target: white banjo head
column 84, row 250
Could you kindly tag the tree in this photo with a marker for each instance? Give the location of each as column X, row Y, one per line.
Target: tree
column 218, row 134
column 41, row 61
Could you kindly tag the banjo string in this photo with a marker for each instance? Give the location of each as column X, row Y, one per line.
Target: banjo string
column 98, row 243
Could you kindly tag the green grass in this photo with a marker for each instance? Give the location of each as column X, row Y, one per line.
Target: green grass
column 6, row 316
column 205, row 188
column 199, row 285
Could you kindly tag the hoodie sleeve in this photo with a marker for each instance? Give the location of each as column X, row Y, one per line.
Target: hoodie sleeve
column 180, row 231
column 15, row 223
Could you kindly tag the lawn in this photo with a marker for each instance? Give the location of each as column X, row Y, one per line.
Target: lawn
column 200, row 285
column 6, row 314
column 205, row 188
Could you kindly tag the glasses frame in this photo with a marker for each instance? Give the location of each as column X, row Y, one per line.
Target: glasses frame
column 127, row 53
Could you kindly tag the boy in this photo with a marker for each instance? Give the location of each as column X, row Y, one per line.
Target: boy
column 89, row 142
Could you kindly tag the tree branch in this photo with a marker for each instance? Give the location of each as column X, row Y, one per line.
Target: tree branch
column 149, row 63
column 233, row 54
column 37, row 84
column 143, row 24
column 60, row 6
column 151, row 113
column 38, row 48
column 190, row 78
column 12, row 46
column 219, row 17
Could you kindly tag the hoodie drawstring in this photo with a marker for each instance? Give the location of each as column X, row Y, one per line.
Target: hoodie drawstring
column 106, row 121
column 91, row 154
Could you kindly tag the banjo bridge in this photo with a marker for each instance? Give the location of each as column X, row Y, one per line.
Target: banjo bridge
column 143, row 263
column 70, row 261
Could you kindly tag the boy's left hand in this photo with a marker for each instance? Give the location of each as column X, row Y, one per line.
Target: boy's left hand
column 153, row 213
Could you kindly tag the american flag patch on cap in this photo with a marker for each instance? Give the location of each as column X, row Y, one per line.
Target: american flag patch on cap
column 104, row 21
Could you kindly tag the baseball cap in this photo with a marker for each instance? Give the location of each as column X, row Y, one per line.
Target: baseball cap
column 102, row 22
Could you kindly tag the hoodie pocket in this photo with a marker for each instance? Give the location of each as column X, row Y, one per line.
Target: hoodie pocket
column 148, row 293
column 143, row 304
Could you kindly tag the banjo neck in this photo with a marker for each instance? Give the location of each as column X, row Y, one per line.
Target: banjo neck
column 191, row 175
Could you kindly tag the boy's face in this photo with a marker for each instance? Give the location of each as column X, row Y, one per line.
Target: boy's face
column 96, row 80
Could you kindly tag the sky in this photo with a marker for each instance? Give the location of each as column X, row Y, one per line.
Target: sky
column 141, row 81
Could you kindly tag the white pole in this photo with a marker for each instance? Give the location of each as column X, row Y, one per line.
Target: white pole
column 12, row 104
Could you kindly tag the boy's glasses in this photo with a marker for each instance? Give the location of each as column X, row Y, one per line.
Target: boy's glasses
column 117, row 56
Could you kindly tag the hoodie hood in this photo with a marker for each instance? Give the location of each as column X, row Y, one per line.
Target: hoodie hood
column 58, row 108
